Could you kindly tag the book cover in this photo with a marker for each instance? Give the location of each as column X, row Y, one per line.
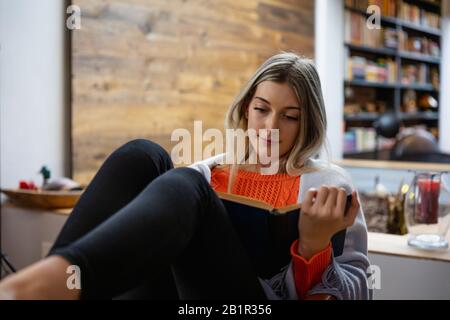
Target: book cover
column 267, row 232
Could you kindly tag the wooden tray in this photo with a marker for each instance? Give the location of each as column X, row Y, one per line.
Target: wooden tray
column 43, row 199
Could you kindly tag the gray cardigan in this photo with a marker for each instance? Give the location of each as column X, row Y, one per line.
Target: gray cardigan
column 345, row 277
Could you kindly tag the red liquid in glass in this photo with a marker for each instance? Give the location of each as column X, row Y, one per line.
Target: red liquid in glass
column 428, row 207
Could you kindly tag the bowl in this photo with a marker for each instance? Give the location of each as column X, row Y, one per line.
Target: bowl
column 43, row 199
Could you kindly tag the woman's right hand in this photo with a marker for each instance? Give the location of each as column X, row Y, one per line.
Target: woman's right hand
column 322, row 216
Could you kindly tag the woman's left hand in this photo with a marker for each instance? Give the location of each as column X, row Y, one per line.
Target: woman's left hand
column 322, row 216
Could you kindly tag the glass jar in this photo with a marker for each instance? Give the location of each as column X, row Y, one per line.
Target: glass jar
column 427, row 210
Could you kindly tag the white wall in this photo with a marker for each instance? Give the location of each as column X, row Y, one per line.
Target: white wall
column 27, row 234
column 33, row 116
column 33, row 111
column 329, row 58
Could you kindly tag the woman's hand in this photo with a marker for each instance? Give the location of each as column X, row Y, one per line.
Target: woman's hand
column 322, row 216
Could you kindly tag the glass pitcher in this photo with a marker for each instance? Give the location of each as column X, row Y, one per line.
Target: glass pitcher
column 427, row 210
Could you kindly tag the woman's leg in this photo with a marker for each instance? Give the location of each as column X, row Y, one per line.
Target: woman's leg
column 176, row 220
column 123, row 175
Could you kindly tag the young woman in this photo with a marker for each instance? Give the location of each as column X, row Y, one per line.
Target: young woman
column 145, row 230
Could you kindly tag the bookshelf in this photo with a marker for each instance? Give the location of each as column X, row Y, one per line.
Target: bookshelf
column 395, row 68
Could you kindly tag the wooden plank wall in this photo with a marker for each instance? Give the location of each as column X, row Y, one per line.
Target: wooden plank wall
column 142, row 68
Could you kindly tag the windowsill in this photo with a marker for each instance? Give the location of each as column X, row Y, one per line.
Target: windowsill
column 394, row 165
column 395, row 245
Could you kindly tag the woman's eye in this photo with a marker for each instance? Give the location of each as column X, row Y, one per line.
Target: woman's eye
column 259, row 109
column 291, row 117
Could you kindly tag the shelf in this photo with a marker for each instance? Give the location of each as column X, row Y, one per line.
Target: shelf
column 358, row 153
column 383, row 154
column 368, row 155
column 391, row 20
column 393, row 165
column 363, row 83
column 392, row 52
column 367, row 116
column 361, row 116
column 431, row 6
column 390, row 93
column 400, row 22
column 384, row 51
column 385, row 19
column 418, row 27
column 420, row 116
column 419, row 87
column 419, row 57
column 385, row 85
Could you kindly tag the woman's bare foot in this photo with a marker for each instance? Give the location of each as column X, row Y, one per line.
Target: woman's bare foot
column 46, row 279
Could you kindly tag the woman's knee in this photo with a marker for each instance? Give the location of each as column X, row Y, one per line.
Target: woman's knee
column 147, row 150
column 147, row 147
column 190, row 180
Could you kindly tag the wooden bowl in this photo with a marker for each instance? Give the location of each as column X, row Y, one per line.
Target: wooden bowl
column 43, row 199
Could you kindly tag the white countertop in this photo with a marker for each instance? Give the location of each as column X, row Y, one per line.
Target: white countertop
column 396, row 245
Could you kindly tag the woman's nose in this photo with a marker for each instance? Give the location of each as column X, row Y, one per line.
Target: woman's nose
column 272, row 122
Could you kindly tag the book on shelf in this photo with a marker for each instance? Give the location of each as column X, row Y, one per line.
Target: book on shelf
column 413, row 102
column 419, row 74
column 403, row 10
column 349, row 142
column 351, row 147
column 414, row 14
column 363, row 101
column 390, row 38
column 416, row 44
column 387, row 7
column 380, row 70
column 267, row 232
column 357, row 33
column 359, row 139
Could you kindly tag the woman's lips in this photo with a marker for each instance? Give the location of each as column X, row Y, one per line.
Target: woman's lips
column 268, row 141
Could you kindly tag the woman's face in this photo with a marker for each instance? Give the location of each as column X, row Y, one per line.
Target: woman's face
column 275, row 106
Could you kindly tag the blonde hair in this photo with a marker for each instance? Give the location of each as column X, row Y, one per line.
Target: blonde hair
column 300, row 73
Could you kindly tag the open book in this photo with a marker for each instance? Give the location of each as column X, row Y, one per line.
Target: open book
column 267, row 232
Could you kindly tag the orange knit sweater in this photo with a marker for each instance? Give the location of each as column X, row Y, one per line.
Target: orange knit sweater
column 278, row 190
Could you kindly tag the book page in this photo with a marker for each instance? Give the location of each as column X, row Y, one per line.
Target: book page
column 257, row 203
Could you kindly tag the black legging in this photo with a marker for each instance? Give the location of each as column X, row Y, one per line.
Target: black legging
column 145, row 230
